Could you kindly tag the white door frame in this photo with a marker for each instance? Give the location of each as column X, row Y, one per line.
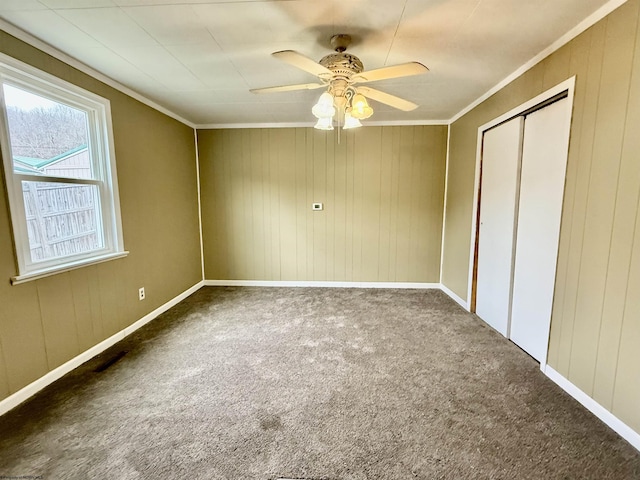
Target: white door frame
column 566, row 86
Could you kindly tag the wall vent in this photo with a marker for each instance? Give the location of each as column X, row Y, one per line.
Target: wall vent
column 103, row 366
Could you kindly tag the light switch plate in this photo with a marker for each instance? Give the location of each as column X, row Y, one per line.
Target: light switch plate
column 317, row 206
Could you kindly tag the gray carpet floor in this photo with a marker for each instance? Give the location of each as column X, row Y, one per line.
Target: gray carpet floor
column 332, row 384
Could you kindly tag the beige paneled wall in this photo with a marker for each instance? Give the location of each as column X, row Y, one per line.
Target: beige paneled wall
column 595, row 329
column 382, row 190
column 47, row 322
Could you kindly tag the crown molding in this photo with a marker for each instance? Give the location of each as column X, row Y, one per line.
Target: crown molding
column 221, row 126
column 588, row 22
column 391, row 123
column 20, row 34
column 592, row 19
column 401, row 123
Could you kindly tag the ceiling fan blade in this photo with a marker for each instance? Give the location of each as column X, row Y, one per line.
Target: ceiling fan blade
column 394, row 71
column 387, row 99
column 288, row 88
column 303, row 63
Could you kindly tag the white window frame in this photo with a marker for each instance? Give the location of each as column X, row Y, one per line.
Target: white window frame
column 102, row 153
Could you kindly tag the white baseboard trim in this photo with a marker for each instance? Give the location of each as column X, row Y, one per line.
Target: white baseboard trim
column 455, row 298
column 319, row 284
column 621, row 428
column 24, row 393
column 28, row 391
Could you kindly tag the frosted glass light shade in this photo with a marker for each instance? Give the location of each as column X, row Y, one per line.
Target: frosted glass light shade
column 360, row 109
column 350, row 122
column 324, row 124
column 324, row 108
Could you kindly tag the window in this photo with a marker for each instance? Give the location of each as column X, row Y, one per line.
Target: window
column 59, row 166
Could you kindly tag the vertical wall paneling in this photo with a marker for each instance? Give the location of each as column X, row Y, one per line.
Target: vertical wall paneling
column 626, row 394
column 319, row 218
column 382, row 190
column 21, row 331
column 569, row 248
column 233, row 215
column 349, row 185
column 557, row 68
column 607, row 143
column 620, row 329
column 257, row 194
column 309, row 221
column 81, row 301
column 431, row 239
column 339, row 209
column 301, row 204
column 419, row 201
column 403, row 247
column 111, row 297
column 358, row 204
column 93, row 282
column 441, row 171
column 242, row 204
column 414, row 208
column 221, row 175
column 595, row 312
column 287, row 202
column 267, row 205
column 330, row 213
column 394, row 202
column 371, row 201
column 252, row 218
column 56, row 318
column 4, row 380
column 386, row 177
column 584, row 149
column 460, row 202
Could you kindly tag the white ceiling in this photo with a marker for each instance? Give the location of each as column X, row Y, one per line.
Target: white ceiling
column 199, row 58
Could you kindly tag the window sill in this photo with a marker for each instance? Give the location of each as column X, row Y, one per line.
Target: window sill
column 27, row 277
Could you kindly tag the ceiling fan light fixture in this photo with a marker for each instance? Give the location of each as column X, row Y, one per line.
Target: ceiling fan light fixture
column 324, row 108
column 325, row 123
column 350, row 121
column 360, row 109
column 339, row 72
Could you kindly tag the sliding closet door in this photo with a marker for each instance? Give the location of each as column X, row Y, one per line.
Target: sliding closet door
column 498, row 199
column 544, row 161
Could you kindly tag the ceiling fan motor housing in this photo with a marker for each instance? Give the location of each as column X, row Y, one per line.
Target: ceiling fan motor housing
column 342, row 64
column 340, row 71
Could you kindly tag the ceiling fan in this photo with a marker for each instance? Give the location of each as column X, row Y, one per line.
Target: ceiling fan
column 339, row 73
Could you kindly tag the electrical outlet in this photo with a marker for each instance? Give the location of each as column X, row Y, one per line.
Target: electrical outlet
column 141, row 293
column 317, row 206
